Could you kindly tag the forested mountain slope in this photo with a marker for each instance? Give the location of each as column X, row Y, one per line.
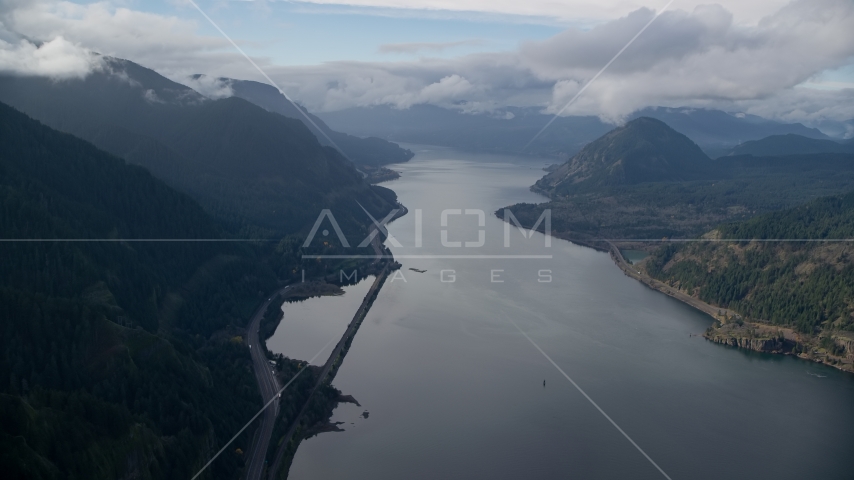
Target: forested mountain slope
column 644, row 150
column 119, row 359
column 801, row 282
column 791, row 269
column 362, row 151
column 262, row 173
column 646, row 181
column 791, row 144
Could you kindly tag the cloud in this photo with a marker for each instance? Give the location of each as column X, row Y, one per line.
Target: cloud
column 57, row 58
column 167, row 43
column 746, row 11
column 706, row 56
column 447, row 90
column 699, row 58
column 211, row 87
column 422, row 46
column 813, row 107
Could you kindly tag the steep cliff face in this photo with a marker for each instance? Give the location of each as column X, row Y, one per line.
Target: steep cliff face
column 836, row 350
column 847, row 344
column 768, row 345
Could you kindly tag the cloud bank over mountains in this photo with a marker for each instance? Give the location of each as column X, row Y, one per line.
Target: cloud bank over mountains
column 748, row 11
column 57, row 58
column 703, row 58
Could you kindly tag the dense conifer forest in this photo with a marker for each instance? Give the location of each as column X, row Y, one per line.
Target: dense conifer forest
column 805, row 281
column 119, row 358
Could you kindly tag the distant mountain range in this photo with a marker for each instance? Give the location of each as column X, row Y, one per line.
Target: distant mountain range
column 506, row 131
column 791, row 144
column 646, row 150
column 362, row 151
column 260, row 172
column 717, row 132
column 510, row 129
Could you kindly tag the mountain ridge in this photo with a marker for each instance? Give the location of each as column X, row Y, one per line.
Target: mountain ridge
column 509, row 129
column 362, row 151
column 270, row 179
column 643, row 150
column 789, row 144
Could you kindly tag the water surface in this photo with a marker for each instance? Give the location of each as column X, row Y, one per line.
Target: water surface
column 308, row 325
column 634, row 256
column 454, row 391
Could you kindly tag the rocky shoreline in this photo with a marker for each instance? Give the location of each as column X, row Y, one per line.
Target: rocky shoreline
column 761, row 337
column 835, row 350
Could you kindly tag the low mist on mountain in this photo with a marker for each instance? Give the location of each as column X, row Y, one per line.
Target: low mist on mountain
column 260, row 172
column 362, row 151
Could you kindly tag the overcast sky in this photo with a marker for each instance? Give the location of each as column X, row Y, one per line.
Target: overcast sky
column 787, row 60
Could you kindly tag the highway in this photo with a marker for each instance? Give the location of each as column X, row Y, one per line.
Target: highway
column 269, row 386
column 334, row 359
column 634, row 272
column 337, row 353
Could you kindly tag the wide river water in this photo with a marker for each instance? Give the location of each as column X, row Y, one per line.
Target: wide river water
column 450, row 388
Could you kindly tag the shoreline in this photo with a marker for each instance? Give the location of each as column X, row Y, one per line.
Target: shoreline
column 297, row 431
column 729, row 328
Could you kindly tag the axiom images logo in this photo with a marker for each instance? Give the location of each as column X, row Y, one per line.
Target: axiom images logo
column 477, row 215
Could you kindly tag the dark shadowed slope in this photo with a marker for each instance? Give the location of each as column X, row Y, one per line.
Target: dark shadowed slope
column 120, row 359
column 362, row 151
column 261, row 172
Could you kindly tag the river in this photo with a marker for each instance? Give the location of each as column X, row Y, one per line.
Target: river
column 450, row 388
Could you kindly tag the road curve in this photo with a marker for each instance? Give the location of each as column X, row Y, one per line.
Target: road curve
column 634, row 272
column 268, row 385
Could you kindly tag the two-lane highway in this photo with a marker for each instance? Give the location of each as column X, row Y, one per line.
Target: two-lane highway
column 269, row 387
